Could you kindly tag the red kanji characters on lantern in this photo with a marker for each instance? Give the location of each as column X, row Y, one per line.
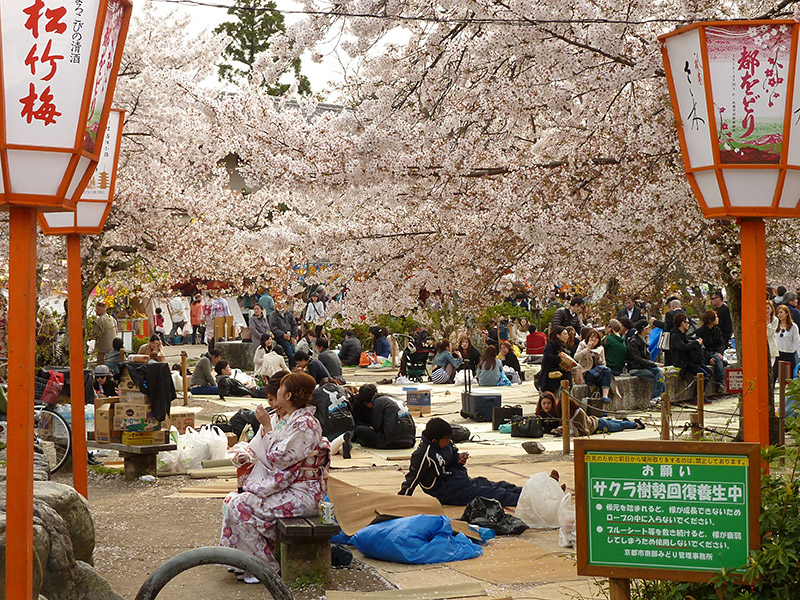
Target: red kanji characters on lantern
column 46, row 113
column 53, row 15
column 46, row 57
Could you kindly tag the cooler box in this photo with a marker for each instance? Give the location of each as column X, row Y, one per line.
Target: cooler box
column 418, row 398
column 478, row 405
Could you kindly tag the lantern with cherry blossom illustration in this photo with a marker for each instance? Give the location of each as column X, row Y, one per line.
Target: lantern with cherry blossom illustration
column 733, row 86
column 59, row 66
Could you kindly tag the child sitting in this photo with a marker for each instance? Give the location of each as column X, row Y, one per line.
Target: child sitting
column 438, row 468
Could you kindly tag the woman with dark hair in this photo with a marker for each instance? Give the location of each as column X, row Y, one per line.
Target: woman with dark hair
column 592, row 360
column 380, row 342
column 469, row 353
column 787, row 339
column 445, row 364
column 572, row 342
column 713, row 345
column 490, row 367
column 546, row 411
column 509, row 358
column 552, row 373
column 283, row 472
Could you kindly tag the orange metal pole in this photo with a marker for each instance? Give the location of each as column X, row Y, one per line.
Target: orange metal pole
column 21, row 365
column 76, row 364
column 756, row 392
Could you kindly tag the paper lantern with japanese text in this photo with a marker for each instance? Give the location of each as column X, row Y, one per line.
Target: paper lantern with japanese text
column 734, row 92
column 59, row 66
column 92, row 209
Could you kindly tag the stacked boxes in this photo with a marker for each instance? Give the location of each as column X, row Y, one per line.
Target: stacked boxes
column 418, row 399
column 133, row 414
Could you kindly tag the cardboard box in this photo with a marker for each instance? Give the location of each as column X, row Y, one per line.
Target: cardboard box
column 232, row 438
column 104, row 425
column 419, row 400
column 161, row 437
column 138, row 438
column 136, row 397
column 101, row 402
column 126, row 424
column 180, row 418
column 133, row 410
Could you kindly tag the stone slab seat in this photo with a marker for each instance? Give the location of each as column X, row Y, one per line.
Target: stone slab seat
column 635, row 391
column 305, row 548
column 239, row 354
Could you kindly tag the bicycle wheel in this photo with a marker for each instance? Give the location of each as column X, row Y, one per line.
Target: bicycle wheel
column 52, row 431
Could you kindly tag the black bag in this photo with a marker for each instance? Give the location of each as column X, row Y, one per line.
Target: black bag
column 460, row 433
column 488, row 512
column 502, row 414
column 528, row 427
column 242, row 418
column 221, row 421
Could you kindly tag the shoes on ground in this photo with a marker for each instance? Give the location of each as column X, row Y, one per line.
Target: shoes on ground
column 639, row 424
column 91, row 460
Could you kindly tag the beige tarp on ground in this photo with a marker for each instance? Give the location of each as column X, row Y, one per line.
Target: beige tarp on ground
column 356, row 507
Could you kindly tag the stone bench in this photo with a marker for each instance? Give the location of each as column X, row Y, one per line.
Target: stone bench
column 636, row 391
column 305, row 549
column 238, row 354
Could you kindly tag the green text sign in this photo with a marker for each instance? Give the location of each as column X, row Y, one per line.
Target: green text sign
column 671, row 508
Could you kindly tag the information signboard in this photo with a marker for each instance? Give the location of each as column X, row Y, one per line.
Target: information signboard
column 665, row 509
column 734, row 381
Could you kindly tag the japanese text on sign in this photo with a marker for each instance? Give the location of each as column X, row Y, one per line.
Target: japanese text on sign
column 44, row 24
column 667, row 511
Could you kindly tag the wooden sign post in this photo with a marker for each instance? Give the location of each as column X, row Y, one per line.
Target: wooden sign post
column 665, row 510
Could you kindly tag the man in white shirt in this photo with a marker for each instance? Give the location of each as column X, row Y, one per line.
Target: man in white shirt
column 177, row 312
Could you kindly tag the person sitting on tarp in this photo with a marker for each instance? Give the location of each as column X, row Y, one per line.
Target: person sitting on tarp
column 389, row 425
column 438, row 468
column 228, row 386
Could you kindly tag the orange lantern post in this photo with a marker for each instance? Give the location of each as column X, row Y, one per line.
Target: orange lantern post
column 733, row 86
column 89, row 217
column 58, row 66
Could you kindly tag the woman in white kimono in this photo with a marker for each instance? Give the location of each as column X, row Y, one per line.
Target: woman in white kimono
column 283, row 472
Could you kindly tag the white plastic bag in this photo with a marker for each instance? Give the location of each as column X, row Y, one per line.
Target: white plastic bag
column 539, row 502
column 216, row 441
column 512, row 375
column 460, row 377
column 169, row 462
column 567, row 534
column 243, row 377
column 192, row 449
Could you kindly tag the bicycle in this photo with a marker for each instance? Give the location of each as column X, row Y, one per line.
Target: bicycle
column 51, row 431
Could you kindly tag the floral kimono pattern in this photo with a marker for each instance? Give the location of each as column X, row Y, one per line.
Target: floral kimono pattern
column 288, row 478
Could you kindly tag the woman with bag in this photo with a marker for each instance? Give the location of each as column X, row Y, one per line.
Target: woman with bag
column 445, row 364
column 592, row 360
column 284, row 473
column 553, row 357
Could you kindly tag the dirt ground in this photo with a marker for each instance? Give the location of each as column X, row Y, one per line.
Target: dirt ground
column 137, row 530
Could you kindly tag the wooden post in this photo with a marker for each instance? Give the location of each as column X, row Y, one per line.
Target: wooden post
column 755, row 397
column 619, row 589
column 666, row 417
column 701, row 400
column 565, row 417
column 183, row 376
column 21, row 366
column 694, row 420
column 76, row 365
column 783, row 369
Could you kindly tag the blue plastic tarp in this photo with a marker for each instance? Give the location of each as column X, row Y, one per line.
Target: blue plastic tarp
column 419, row 540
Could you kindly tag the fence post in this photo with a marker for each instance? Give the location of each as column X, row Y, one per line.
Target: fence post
column 619, row 589
column 701, row 401
column 565, row 417
column 783, row 368
column 183, row 376
column 666, row 417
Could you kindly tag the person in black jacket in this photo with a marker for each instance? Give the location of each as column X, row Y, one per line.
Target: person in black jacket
column 389, row 425
column 313, row 366
column 510, row 359
column 552, row 374
column 228, row 386
column 725, row 321
column 350, row 352
column 564, row 317
column 639, row 362
column 284, row 327
column 687, row 352
column 630, row 311
column 713, row 344
column 469, row 353
column 438, row 468
column 546, row 411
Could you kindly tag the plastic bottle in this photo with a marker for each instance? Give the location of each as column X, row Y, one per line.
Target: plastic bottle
column 65, row 410
column 147, row 478
column 89, row 408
